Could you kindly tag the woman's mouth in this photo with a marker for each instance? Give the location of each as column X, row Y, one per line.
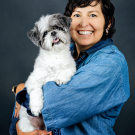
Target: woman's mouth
column 85, row 32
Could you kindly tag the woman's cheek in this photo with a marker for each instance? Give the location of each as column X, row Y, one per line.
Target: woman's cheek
column 72, row 26
column 74, row 23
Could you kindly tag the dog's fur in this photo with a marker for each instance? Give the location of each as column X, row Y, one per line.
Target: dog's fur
column 54, row 63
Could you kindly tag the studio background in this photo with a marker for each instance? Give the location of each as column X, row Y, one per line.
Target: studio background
column 17, row 52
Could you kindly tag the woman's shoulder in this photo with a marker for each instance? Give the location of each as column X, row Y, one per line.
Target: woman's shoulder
column 108, row 58
column 111, row 54
column 116, row 55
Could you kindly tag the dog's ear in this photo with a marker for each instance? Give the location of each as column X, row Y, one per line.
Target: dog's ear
column 67, row 21
column 63, row 20
column 34, row 36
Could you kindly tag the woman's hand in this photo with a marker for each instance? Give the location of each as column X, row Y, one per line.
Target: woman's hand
column 17, row 110
column 36, row 132
column 18, row 106
column 43, row 132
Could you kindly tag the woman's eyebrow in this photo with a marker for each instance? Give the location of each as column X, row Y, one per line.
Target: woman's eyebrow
column 88, row 12
column 77, row 11
column 93, row 11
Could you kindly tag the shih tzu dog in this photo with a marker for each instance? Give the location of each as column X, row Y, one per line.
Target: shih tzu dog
column 54, row 63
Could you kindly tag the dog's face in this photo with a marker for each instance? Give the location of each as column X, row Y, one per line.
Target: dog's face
column 51, row 32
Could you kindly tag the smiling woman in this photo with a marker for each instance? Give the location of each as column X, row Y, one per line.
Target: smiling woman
column 87, row 26
column 91, row 101
column 92, row 21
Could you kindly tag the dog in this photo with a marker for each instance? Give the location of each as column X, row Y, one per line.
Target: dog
column 54, row 63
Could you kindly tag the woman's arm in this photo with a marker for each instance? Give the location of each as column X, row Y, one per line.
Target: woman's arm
column 95, row 88
column 18, row 89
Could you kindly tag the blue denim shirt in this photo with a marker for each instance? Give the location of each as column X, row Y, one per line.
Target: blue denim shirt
column 90, row 102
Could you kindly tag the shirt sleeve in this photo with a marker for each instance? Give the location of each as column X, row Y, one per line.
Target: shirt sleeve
column 12, row 128
column 22, row 98
column 95, row 88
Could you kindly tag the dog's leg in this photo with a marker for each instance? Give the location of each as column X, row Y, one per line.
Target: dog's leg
column 24, row 122
column 34, row 88
column 64, row 76
column 36, row 101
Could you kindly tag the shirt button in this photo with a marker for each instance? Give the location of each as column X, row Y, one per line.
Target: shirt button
column 81, row 54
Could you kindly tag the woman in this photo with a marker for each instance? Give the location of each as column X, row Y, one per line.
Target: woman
column 90, row 103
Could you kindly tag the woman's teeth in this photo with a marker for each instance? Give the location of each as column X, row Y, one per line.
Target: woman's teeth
column 85, row 32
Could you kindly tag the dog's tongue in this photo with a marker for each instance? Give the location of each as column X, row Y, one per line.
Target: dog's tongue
column 56, row 40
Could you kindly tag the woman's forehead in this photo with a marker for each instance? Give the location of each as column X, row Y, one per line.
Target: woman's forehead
column 92, row 7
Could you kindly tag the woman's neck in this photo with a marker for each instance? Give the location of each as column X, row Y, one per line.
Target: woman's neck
column 80, row 48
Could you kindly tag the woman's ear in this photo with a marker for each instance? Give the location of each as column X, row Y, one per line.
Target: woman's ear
column 110, row 22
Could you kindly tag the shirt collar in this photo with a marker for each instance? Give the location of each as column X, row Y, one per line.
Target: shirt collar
column 94, row 48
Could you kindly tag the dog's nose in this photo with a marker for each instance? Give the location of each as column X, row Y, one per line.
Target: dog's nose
column 53, row 33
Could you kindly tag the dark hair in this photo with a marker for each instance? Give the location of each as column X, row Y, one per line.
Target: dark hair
column 107, row 10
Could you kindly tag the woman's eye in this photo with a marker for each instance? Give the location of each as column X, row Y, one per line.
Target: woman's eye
column 76, row 15
column 93, row 15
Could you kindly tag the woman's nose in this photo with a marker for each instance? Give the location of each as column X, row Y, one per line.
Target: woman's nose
column 84, row 22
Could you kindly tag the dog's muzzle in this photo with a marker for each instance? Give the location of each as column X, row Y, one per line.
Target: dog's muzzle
column 53, row 33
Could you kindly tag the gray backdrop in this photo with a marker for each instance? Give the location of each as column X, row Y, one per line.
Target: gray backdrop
column 17, row 52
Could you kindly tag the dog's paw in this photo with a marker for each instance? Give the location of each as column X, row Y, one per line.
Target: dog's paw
column 59, row 82
column 36, row 102
column 64, row 77
column 35, row 110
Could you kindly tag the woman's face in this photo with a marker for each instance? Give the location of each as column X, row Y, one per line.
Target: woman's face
column 87, row 26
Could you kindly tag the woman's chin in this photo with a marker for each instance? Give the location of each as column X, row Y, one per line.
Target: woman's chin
column 85, row 43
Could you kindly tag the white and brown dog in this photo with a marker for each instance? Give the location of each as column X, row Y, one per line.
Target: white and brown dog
column 54, row 63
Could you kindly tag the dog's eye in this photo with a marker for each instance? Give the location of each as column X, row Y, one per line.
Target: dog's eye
column 55, row 27
column 45, row 33
column 58, row 28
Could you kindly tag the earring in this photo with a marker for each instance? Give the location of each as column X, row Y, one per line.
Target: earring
column 107, row 31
